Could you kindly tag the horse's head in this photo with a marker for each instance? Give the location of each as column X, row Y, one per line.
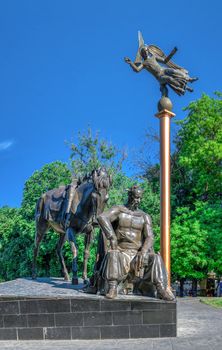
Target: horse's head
column 102, row 182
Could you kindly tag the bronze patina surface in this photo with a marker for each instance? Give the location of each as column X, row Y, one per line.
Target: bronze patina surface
column 130, row 261
column 69, row 210
column 153, row 59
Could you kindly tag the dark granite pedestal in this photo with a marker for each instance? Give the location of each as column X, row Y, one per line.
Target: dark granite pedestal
column 74, row 315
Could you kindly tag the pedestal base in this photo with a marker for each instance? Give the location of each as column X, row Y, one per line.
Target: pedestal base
column 83, row 316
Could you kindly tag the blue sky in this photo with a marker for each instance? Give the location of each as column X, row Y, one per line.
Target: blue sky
column 62, row 69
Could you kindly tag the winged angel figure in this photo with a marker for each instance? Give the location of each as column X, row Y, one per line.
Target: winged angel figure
column 153, row 59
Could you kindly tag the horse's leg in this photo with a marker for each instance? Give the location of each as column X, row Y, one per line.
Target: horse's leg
column 73, row 245
column 59, row 247
column 88, row 240
column 42, row 226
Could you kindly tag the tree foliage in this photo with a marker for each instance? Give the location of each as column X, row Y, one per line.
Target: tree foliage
column 90, row 152
column 196, row 194
column 199, row 148
column 50, row 176
column 196, row 241
column 16, row 239
column 188, row 245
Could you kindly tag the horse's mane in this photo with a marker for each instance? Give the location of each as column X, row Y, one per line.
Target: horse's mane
column 101, row 179
column 98, row 177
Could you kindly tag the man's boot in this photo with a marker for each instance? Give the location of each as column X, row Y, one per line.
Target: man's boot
column 164, row 293
column 112, row 293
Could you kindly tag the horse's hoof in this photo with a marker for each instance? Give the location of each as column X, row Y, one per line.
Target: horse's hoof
column 66, row 278
column 34, row 276
column 75, row 281
column 85, row 281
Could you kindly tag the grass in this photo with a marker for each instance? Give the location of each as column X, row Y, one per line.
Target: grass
column 216, row 302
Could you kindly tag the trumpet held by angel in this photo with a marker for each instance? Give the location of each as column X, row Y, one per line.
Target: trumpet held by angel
column 154, row 60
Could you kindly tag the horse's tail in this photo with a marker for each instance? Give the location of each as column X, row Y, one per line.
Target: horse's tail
column 39, row 208
column 38, row 213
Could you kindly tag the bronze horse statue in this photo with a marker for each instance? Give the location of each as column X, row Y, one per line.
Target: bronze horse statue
column 70, row 210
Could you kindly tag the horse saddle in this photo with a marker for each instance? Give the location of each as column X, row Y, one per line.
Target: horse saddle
column 59, row 193
column 57, row 198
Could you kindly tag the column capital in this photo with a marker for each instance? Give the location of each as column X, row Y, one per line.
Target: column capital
column 165, row 113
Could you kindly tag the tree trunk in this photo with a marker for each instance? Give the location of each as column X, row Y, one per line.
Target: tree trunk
column 194, row 287
column 181, row 287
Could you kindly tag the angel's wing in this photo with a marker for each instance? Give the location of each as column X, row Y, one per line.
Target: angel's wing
column 138, row 58
column 156, row 51
column 140, row 39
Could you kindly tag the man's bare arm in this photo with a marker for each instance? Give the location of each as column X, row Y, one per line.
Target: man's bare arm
column 147, row 246
column 136, row 68
column 148, row 235
column 105, row 221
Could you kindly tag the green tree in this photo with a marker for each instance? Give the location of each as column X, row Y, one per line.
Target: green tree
column 16, row 243
column 7, row 220
column 211, row 222
column 199, row 149
column 51, row 176
column 188, row 245
column 196, row 190
column 196, row 241
column 118, row 192
column 89, row 152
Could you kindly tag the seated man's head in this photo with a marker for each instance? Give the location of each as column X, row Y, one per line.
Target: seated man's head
column 134, row 197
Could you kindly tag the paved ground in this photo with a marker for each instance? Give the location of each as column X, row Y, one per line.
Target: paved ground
column 199, row 328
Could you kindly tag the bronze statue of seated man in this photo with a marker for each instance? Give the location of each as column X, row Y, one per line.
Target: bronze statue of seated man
column 131, row 256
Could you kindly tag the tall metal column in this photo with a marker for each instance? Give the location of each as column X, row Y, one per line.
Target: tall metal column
column 164, row 117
